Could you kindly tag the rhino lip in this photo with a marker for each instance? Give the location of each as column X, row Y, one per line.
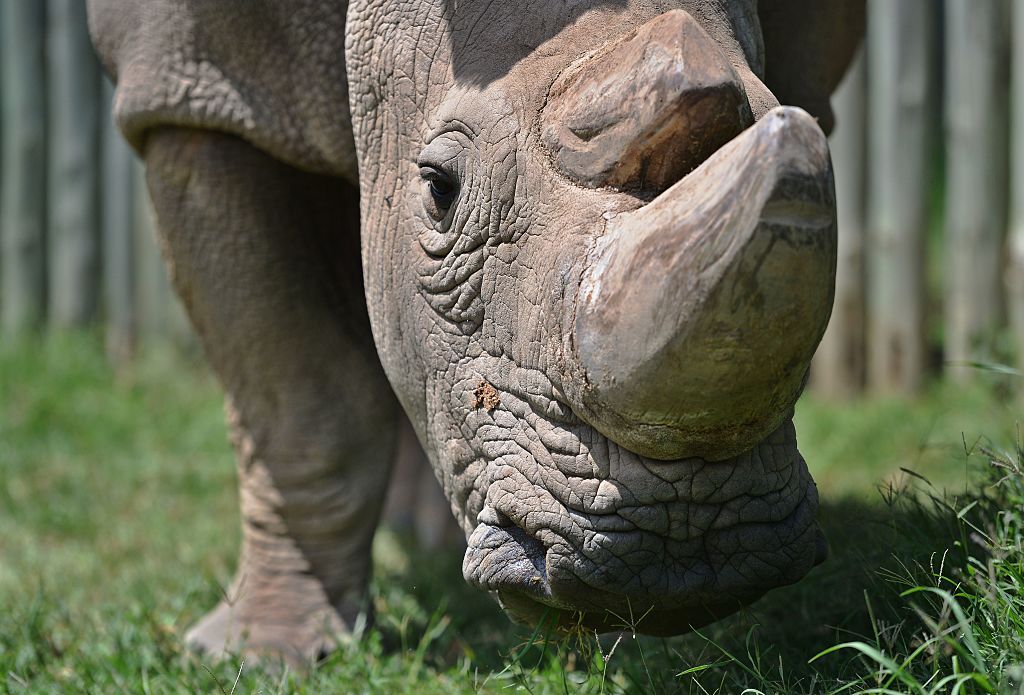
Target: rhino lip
column 508, row 558
column 511, row 563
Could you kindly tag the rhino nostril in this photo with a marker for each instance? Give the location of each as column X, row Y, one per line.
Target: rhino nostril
column 586, row 133
column 492, row 517
column 505, row 558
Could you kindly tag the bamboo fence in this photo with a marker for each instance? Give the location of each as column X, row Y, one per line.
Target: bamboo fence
column 928, row 151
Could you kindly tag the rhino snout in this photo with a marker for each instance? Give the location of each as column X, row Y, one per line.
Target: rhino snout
column 661, row 560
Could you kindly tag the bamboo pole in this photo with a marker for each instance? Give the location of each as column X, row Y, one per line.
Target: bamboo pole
column 1015, row 274
column 902, row 109
column 2, row 62
column 976, row 198
column 838, row 367
column 73, row 235
column 118, row 239
column 23, row 194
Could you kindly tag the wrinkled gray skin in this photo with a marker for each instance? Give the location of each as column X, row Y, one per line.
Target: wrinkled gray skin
column 602, row 379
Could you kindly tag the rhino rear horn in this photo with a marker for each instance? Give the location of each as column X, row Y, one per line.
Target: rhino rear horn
column 648, row 109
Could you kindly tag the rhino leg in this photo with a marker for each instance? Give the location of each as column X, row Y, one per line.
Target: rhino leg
column 416, row 505
column 266, row 260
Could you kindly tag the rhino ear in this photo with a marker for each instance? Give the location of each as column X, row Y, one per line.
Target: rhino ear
column 808, row 46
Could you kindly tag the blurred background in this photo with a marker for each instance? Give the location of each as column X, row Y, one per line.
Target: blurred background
column 929, row 157
column 77, row 249
column 118, row 503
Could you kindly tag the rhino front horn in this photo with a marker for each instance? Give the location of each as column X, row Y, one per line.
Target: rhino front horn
column 698, row 313
column 647, row 109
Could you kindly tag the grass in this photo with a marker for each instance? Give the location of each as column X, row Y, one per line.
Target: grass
column 118, row 526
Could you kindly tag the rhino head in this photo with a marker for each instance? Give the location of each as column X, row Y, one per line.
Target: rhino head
column 598, row 257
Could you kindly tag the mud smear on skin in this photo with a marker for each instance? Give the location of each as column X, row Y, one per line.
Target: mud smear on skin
column 485, row 396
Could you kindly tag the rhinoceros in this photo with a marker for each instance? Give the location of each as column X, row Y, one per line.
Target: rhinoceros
column 578, row 242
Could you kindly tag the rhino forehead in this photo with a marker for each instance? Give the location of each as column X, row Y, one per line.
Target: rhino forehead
column 438, row 43
column 483, row 49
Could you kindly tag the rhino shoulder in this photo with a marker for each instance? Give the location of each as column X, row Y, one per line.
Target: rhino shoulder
column 271, row 73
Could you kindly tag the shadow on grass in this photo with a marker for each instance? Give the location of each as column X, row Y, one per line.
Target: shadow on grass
column 436, row 634
column 877, row 550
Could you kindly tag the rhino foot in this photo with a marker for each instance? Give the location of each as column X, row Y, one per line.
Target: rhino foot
column 264, row 629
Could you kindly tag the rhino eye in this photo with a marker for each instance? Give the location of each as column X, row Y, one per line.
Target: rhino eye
column 441, row 191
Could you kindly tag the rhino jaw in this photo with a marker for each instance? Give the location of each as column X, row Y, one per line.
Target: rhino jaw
column 699, row 312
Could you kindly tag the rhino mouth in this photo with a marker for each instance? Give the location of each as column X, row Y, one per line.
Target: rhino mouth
column 726, row 533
